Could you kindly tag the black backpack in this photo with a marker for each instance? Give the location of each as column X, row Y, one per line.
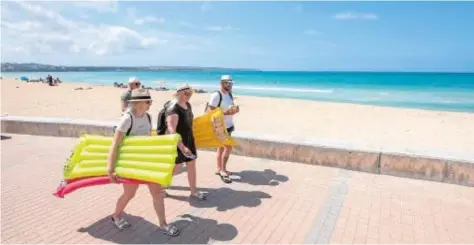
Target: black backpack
column 131, row 121
column 161, row 122
column 162, row 126
column 220, row 100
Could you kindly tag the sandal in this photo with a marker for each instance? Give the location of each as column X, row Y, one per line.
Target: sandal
column 225, row 178
column 170, row 230
column 227, row 172
column 199, row 196
column 120, row 224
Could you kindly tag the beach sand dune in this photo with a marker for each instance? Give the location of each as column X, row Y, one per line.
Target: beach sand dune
column 361, row 125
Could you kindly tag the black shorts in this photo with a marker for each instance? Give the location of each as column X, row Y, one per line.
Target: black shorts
column 230, row 130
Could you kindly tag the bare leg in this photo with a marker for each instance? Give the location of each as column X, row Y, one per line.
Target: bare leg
column 177, row 169
column 158, row 203
column 225, row 157
column 220, row 152
column 129, row 191
column 192, row 176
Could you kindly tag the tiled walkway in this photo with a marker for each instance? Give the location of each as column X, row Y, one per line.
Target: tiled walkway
column 269, row 202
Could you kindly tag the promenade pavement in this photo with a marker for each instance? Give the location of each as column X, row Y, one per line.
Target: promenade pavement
column 268, row 202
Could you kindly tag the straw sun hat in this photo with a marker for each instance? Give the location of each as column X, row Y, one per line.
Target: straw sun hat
column 140, row 94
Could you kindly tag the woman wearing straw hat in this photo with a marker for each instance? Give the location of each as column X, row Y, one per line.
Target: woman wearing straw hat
column 179, row 119
column 136, row 121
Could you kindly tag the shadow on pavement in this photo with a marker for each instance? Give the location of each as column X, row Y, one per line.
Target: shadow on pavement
column 266, row 177
column 223, row 198
column 194, row 230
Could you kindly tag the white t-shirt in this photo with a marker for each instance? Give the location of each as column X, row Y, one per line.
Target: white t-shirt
column 141, row 125
column 226, row 102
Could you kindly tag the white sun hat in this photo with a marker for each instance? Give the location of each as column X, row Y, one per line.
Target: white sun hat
column 183, row 87
column 227, row 78
column 140, row 94
column 133, row 80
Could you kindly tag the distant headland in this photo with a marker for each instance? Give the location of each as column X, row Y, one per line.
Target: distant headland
column 33, row 67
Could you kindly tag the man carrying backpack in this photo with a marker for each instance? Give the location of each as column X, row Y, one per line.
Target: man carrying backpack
column 223, row 98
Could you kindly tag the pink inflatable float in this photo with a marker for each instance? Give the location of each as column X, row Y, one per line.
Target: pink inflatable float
column 72, row 185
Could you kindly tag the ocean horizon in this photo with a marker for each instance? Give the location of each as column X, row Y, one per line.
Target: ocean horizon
column 442, row 91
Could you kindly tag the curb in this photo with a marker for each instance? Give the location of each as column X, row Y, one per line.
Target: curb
column 433, row 168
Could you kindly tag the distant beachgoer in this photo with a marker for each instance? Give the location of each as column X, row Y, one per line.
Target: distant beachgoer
column 223, row 98
column 136, row 121
column 179, row 119
column 133, row 83
column 50, row 80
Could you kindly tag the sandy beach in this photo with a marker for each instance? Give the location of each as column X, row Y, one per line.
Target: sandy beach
column 410, row 130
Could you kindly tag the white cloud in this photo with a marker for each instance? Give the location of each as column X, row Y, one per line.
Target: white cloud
column 354, row 15
column 99, row 5
column 311, row 32
column 26, row 25
column 221, row 28
column 49, row 14
column 47, row 31
column 134, row 16
column 39, row 32
column 75, row 48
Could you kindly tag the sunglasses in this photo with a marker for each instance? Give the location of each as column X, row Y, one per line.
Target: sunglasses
column 148, row 102
column 188, row 93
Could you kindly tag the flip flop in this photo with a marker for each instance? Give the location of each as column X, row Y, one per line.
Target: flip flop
column 170, row 230
column 120, row 224
column 227, row 172
column 199, row 196
column 225, row 178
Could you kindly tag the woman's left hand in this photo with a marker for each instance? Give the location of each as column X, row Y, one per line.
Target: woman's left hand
column 113, row 177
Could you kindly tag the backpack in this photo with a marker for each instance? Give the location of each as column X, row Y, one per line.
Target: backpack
column 161, row 122
column 131, row 122
column 162, row 126
column 220, row 100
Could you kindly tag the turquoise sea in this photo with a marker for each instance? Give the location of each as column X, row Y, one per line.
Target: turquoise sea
column 433, row 91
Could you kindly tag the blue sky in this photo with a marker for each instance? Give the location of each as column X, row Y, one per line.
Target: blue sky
column 402, row 36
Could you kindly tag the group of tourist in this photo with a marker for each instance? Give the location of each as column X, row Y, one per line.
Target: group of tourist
column 136, row 120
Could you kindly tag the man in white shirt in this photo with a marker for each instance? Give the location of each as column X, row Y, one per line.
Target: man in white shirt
column 223, row 98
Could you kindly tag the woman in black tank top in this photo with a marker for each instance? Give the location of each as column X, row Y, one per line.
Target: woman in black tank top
column 184, row 128
column 179, row 118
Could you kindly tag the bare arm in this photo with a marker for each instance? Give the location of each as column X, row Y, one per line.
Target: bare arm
column 210, row 108
column 172, row 122
column 118, row 137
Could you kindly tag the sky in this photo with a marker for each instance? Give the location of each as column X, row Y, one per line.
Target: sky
column 316, row 36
